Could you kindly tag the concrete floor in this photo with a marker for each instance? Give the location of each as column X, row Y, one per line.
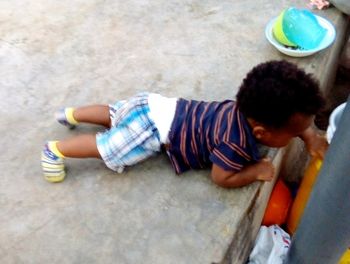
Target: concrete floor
column 71, row 53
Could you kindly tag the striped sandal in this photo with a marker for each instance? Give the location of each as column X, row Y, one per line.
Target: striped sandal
column 52, row 165
column 65, row 117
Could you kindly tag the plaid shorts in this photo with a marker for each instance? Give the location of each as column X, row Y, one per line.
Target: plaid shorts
column 132, row 137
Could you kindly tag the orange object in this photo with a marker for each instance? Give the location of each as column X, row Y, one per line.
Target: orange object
column 278, row 206
column 303, row 194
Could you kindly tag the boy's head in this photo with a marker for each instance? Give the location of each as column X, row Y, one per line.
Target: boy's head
column 279, row 100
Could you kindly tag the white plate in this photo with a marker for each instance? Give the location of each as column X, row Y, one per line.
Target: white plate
column 327, row 40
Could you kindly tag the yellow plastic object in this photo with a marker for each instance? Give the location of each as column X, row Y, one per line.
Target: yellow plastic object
column 279, row 33
column 345, row 258
column 303, row 194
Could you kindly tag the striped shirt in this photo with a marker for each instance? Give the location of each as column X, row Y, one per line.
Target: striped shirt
column 203, row 133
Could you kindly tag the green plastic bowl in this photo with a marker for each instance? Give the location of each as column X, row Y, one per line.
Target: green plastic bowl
column 278, row 32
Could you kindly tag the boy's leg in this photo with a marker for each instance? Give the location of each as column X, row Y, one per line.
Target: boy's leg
column 93, row 114
column 82, row 146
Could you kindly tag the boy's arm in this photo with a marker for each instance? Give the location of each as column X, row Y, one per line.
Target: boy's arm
column 260, row 171
column 315, row 144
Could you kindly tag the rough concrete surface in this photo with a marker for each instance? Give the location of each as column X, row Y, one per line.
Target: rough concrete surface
column 71, row 53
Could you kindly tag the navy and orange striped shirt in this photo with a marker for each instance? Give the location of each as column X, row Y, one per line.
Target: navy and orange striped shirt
column 203, row 133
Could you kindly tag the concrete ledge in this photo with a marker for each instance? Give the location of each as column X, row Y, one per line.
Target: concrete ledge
column 250, row 221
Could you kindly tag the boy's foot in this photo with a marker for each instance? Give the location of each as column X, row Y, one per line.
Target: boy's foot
column 65, row 117
column 52, row 165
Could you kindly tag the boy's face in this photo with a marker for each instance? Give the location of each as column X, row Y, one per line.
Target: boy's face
column 280, row 137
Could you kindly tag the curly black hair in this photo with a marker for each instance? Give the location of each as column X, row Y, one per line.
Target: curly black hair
column 274, row 91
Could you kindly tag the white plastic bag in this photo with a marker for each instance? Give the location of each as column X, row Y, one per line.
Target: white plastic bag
column 271, row 246
column 334, row 121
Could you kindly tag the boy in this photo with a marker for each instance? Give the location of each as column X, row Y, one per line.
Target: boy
column 276, row 102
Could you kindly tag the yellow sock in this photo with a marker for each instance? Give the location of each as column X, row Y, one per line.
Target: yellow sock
column 69, row 115
column 54, row 149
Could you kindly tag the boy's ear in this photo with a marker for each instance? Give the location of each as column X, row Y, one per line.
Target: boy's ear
column 259, row 131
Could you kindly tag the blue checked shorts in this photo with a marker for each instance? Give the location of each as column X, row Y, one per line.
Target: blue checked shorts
column 132, row 137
